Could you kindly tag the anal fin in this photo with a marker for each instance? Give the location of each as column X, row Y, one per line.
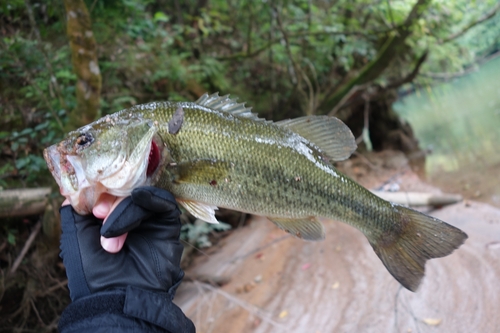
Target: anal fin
column 308, row 228
column 200, row 210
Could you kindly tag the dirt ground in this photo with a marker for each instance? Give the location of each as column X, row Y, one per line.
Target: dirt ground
column 281, row 284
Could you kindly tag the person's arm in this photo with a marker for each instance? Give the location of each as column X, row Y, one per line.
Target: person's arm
column 131, row 290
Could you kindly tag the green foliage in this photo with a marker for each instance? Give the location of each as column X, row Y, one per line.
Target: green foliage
column 11, row 236
column 198, row 233
column 285, row 59
column 35, row 100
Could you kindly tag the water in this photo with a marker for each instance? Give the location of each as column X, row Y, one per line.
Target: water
column 459, row 122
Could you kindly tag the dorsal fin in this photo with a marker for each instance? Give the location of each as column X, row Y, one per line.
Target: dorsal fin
column 226, row 104
column 329, row 134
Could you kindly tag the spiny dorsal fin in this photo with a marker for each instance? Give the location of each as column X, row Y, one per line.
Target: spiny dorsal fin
column 303, row 228
column 226, row 104
column 329, row 134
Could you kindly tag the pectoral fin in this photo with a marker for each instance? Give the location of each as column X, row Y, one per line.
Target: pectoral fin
column 200, row 210
column 308, row 228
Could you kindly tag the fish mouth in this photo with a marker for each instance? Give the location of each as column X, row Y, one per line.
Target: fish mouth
column 53, row 160
column 153, row 159
column 67, row 170
column 62, row 168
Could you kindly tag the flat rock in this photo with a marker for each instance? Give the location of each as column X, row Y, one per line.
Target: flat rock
column 282, row 284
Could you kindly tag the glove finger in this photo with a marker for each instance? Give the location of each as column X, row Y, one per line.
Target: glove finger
column 154, row 199
column 125, row 217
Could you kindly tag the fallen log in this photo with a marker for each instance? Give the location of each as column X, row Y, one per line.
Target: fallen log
column 419, row 198
column 23, row 201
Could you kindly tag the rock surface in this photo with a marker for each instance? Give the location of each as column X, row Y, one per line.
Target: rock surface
column 282, row 284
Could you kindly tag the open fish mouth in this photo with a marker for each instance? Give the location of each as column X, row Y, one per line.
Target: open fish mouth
column 67, row 170
column 53, row 159
column 153, row 159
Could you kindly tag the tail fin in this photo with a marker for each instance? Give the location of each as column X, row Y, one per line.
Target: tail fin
column 419, row 238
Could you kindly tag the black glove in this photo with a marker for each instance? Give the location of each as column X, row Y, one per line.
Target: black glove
column 142, row 277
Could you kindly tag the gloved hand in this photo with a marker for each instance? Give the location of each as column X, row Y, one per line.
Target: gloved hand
column 145, row 270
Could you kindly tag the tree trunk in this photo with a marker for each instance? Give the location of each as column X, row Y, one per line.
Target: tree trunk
column 84, row 58
column 384, row 57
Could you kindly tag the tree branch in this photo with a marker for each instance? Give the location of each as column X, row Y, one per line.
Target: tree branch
column 384, row 57
column 473, row 68
column 295, row 67
column 486, row 17
column 351, row 98
column 410, row 77
column 243, row 54
column 26, row 247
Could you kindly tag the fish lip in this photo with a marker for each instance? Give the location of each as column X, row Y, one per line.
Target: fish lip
column 53, row 160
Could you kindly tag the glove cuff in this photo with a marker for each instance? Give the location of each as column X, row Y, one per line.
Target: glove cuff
column 86, row 308
column 150, row 307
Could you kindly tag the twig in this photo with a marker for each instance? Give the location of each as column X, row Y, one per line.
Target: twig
column 311, row 105
column 36, row 312
column 486, row 17
column 196, row 248
column 473, row 68
column 271, row 62
column 213, row 280
column 412, row 75
column 246, row 54
column 366, row 127
column 53, row 325
column 250, row 28
column 277, row 240
column 344, row 99
column 295, row 67
column 26, row 247
column 93, row 5
column 53, row 288
column 245, row 305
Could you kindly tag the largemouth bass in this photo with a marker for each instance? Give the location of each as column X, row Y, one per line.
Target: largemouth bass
column 216, row 153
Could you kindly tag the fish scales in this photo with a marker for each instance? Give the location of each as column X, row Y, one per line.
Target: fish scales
column 253, row 177
column 221, row 155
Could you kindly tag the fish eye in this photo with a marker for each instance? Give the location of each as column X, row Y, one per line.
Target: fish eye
column 84, row 140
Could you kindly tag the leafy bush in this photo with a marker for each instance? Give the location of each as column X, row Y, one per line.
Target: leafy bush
column 198, row 232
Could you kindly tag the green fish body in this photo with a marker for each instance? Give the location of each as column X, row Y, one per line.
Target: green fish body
column 216, row 153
